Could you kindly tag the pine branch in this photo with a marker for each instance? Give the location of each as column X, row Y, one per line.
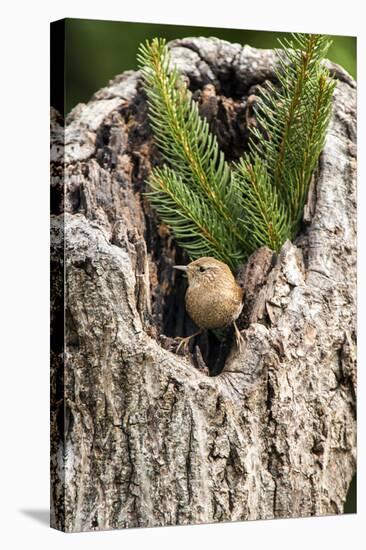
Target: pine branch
column 265, row 216
column 197, row 228
column 212, row 208
column 297, row 78
column 293, row 119
column 182, row 136
column 192, row 152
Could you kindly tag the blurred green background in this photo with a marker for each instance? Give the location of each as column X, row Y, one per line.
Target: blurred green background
column 96, row 51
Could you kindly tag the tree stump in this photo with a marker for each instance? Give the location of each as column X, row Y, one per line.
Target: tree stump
column 141, row 436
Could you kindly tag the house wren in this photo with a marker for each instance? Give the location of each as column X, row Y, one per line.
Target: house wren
column 213, row 298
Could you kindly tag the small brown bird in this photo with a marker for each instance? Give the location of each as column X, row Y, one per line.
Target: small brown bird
column 213, row 298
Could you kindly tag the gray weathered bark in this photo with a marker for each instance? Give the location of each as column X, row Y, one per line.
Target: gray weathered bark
column 140, row 436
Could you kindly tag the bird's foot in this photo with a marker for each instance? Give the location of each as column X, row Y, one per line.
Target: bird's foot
column 238, row 338
column 185, row 341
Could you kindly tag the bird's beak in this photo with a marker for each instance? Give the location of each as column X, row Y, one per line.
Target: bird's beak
column 181, row 267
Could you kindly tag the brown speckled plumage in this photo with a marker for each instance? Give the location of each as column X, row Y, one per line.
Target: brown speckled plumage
column 213, row 298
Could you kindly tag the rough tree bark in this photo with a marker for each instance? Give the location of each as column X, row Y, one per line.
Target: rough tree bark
column 140, row 436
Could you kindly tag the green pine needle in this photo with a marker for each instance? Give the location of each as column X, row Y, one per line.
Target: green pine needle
column 227, row 212
column 293, row 119
column 264, row 213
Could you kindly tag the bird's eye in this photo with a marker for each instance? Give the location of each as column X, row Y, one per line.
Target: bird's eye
column 202, row 268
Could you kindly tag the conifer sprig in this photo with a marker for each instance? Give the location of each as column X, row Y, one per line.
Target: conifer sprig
column 196, row 227
column 227, row 212
column 293, row 119
column 198, row 170
column 263, row 213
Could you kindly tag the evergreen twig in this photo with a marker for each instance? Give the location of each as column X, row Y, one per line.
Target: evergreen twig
column 198, row 168
column 293, row 119
column 227, row 212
